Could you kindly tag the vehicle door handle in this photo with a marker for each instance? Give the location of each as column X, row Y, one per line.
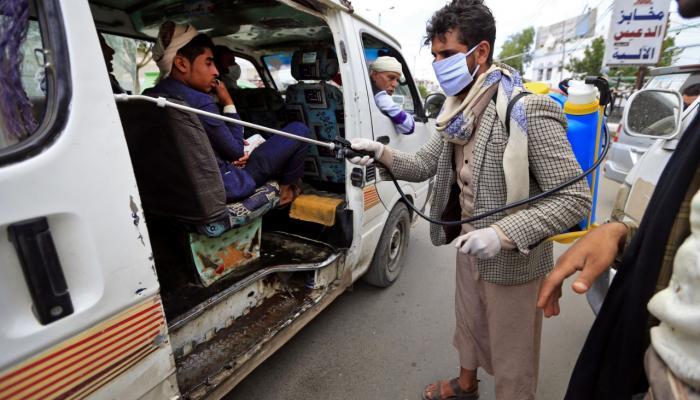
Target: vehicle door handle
column 42, row 269
column 383, row 140
column 636, row 150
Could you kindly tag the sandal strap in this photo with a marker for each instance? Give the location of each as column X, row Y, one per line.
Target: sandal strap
column 456, row 389
column 462, row 394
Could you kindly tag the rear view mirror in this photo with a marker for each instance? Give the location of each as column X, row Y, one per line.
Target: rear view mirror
column 653, row 113
column 433, row 104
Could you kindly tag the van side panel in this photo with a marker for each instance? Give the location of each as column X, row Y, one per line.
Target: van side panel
column 84, row 185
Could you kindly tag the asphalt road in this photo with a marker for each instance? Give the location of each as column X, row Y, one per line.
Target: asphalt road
column 389, row 343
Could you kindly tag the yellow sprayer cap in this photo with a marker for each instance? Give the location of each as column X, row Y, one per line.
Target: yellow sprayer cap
column 537, row 87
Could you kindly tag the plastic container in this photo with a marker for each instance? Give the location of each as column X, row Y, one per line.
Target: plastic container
column 584, row 133
column 581, row 93
column 559, row 98
column 537, row 87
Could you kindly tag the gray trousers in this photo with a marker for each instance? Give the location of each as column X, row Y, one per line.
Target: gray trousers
column 498, row 329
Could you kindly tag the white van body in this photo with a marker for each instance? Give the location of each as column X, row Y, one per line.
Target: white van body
column 118, row 341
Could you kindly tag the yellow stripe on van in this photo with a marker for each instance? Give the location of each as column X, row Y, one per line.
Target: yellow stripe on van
column 87, row 361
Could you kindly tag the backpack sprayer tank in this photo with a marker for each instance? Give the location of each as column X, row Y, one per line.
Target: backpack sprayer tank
column 584, row 103
column 585, row 117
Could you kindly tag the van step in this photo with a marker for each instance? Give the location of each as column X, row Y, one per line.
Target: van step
column 203, row 367
column 279, row 252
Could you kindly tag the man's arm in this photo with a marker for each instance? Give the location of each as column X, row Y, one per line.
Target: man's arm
column 226, row 139
column 552, row 162
column 403, row 121
column 592, row 255
column 414, row 167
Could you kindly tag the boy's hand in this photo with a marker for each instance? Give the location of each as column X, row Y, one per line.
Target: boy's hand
column 222, row 93
column 241, row 162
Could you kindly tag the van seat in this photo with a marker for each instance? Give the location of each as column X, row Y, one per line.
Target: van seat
column 243, row 212
column 179, row 181
column 319, row 105
column 177, row 173
column 261, row 106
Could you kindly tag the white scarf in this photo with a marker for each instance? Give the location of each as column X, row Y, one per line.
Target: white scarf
column 176, row 36
column 457, row 123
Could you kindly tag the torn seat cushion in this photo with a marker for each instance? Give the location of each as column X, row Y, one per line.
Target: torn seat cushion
column 243, row 212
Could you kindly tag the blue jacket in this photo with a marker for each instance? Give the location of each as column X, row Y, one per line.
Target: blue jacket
column 226, row 139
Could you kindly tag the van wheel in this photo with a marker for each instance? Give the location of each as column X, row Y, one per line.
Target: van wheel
column 391, row 250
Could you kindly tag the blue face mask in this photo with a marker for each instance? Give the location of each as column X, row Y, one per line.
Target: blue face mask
column 453, row 73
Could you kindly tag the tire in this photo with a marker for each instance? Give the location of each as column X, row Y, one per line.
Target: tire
column 390, row 254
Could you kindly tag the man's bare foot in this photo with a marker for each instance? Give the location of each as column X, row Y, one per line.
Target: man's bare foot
column 288, row 193
column 447, row 391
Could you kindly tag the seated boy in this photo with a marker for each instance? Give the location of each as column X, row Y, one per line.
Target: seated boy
column 185, row 59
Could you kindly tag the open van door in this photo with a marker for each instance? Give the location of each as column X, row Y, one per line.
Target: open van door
column 79, row 294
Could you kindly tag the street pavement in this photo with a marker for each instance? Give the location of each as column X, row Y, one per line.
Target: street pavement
column 375, row 344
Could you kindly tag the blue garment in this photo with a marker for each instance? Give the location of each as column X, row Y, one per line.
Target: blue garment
column 278, row 157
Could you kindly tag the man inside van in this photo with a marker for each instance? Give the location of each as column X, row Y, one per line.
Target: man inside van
column 690, row 94
column 479, row 166
column 385, row 73
column 108, row 54
column 229, row 70
column 187, row 71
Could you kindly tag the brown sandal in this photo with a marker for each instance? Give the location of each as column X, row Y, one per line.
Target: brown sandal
column 458, row 392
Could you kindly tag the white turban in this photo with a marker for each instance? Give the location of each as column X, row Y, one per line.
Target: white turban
column 171, row 38
column 387, row 64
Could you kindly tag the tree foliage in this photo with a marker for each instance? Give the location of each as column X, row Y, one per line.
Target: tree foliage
column 592, row 61
column 422, row 90
column 516, row 48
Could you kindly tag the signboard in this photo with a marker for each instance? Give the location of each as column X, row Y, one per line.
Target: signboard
column 582, row 26
column 637, row 31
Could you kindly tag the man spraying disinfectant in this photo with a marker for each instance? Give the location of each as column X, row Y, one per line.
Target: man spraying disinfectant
column 503, row 258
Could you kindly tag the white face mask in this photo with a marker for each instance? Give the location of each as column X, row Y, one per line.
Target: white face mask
column 453, row 72
column 235, row 71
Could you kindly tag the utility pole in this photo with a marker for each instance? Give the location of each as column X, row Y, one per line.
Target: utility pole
column 563, row 49
column 379, row 13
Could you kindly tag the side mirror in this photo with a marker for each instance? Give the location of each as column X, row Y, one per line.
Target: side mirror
column 433, row 104
column 654, row 113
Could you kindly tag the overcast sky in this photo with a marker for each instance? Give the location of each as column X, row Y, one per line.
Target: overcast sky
column 407, row 23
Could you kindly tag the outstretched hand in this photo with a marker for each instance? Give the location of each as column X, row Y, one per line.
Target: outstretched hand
column 592, row 255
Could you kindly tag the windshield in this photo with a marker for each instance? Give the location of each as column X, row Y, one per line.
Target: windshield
column 280, row 67
column 673, row 81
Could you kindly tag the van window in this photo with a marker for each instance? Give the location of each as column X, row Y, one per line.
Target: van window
column 406, row 93
column 24, row 99
column 250, row 78
column 132, row 63
column 280, row 67
column 35, row 71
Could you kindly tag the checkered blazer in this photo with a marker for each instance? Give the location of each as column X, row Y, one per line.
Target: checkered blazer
column 551, row 163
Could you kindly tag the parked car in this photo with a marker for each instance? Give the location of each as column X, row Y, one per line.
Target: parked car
column 655, row 114
column 120, row 282
column 626, row 150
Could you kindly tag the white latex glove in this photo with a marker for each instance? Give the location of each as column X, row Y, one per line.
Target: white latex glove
column 483, row 243
column 366, row 145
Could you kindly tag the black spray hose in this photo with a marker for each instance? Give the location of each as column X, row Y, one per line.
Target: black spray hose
column 342, row 148
column 352, row 153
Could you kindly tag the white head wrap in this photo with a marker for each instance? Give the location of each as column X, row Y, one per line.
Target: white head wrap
column 171, row 38
column 387, row 64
